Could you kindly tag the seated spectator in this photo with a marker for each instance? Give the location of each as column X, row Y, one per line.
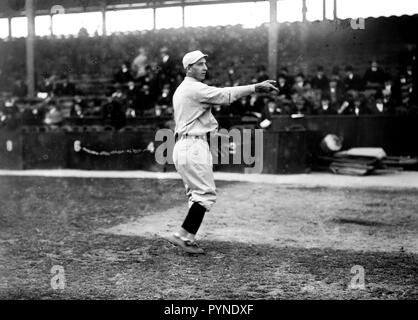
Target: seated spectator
column 389, row 94
column 285, row 73
column 320, row 80
column 299, row 84
column 352, row 81
column 77, row 110
column 256, row 104
column 309, row 94
column 408, row 56
column 123, row 75
column 239, row 107
column 374, row 77
column 114, row 110
column 334, row 91
column 19, row 89
column 164, row 100
column 64, row 87
column 299, row 105
column 133, row 97
column 326, row 107
column 166, row 67
column 53, row 116
column 355, row 104
column 376, row 105
column 404, row 86
column 284, row 87
column 262, row 74
column 146, row 100
column 272, row 109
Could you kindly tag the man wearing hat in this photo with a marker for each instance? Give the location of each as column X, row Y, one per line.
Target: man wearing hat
column 192, row 102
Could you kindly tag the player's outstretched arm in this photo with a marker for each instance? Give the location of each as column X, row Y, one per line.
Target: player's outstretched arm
column 266, row 86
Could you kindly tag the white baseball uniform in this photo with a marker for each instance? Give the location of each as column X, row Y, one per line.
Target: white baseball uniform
column 192, row 158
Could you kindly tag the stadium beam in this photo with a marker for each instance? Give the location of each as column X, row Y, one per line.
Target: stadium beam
column 304, row 10
column 273, row 38
column 154, row 18
column 51, row 24
column 182, row 14
column 335, row 10
column 30, row 52
column 324, row 10
column 9, row 21
column 104, row 30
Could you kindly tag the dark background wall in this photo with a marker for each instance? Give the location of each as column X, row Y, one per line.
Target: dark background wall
column 289, row 144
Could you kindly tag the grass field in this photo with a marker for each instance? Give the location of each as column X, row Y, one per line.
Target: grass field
column 261, row 241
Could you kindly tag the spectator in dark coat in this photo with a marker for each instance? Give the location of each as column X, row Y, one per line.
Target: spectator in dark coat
column 326, row 107
column 374, row 77
column 166, row 67
column 320, row 80
column 123, row 75
column 19, row 89
column 351, row 80
column 334, row 92
column 376, row 105
column 114, row 110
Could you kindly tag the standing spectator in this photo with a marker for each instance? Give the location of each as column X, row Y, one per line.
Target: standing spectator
column 139, row 64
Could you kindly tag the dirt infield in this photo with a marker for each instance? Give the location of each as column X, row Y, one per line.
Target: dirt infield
column 263, row 241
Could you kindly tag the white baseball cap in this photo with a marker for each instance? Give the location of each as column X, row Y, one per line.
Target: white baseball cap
column 192, row 57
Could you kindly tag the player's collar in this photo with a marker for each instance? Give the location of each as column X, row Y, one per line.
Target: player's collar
column 187, row 78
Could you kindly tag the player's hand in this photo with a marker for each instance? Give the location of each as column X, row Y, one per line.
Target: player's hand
column 266, row 86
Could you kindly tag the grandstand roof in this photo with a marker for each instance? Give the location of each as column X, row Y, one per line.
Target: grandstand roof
column 16, row 8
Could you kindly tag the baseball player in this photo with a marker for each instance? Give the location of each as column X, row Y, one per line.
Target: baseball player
column 194, row 122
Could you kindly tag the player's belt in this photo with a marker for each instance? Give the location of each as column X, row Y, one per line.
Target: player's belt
column 205, row 137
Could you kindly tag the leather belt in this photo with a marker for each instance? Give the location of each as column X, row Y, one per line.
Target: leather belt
column 205, row 137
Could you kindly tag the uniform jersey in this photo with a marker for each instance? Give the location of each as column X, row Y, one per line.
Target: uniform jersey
column 192, row 103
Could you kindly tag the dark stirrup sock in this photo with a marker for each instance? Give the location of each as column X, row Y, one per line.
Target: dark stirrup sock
column 194, row 218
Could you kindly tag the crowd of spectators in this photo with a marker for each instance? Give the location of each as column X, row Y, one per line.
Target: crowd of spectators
column 125, row 78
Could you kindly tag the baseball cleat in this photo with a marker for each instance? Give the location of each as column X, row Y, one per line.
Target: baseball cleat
column 187, row 245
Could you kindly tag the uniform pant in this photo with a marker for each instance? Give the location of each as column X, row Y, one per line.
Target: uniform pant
column 193, row 161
